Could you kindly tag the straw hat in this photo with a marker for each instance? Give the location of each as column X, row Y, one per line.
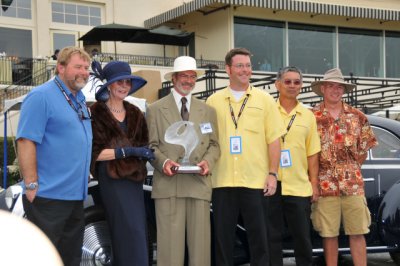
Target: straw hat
column 332, row 75
column 184, row 63
column 112, row 72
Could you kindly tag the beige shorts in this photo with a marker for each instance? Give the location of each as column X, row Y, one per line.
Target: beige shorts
column 352, row 211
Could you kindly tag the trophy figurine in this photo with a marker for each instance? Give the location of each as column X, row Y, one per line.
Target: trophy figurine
column 184, row 133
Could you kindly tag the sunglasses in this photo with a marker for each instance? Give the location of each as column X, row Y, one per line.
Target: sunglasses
column 81, row 114
column 292, row 81
column 124, row 81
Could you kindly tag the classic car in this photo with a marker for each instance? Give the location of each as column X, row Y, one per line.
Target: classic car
column 382, row 185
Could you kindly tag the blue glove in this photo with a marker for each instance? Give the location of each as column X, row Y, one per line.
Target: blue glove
column 142, row 153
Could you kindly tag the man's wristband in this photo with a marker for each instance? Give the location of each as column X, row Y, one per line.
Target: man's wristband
column 273, row 174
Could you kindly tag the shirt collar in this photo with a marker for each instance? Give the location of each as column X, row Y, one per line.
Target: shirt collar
column 178, row 97
column 228, row 93
column 296, row 109
column 80, row 97
column 346, row 108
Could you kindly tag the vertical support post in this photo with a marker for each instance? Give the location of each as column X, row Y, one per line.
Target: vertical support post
column 5, row 152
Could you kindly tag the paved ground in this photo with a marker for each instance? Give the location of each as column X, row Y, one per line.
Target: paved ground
column 378, row 259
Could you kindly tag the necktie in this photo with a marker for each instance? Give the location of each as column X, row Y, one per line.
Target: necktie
column 184, row 110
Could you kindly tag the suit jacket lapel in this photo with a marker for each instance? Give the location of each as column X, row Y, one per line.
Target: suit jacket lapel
column 196, row 113
column 170, row 110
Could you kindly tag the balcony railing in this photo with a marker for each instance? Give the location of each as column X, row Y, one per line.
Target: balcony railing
column 22, row 71
column 155, row 60
column 19, row 75
column 372, row 94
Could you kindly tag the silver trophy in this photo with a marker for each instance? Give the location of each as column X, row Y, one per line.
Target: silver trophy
column 184, row 133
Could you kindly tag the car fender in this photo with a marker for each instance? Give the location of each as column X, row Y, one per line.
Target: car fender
column 389, row 216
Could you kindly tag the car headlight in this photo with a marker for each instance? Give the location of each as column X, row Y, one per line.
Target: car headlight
column 12, row 194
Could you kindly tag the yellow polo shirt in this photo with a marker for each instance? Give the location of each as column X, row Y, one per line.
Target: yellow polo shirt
column 302, row 140
column 258, row 125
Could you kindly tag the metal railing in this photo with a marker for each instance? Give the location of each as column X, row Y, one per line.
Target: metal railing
column 154, row 60
column 21, row 75
column 371, row 94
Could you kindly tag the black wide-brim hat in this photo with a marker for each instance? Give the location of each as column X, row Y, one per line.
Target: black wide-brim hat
column 112, row 72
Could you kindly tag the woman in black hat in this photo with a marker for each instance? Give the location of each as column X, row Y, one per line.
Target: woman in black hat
column 120, row 138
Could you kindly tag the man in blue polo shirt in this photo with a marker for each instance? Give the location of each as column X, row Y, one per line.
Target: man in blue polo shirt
column 54, row 150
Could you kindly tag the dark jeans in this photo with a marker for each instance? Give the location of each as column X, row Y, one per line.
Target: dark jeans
column 63, row 223
column 228, row 203
column 296, row 212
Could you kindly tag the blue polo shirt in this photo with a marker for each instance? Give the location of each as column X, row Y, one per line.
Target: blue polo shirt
column 63, row 140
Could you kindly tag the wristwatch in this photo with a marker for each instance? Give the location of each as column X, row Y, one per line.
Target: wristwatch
column 273, row 174
column 31, row 186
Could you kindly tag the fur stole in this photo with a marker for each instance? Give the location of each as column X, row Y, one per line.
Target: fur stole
column 107, row 134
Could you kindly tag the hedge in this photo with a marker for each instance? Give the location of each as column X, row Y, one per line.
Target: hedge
column 13, row 173
column 10, row 151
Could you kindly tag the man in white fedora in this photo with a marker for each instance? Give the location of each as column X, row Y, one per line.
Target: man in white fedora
column 182, row 200
column 346, row 137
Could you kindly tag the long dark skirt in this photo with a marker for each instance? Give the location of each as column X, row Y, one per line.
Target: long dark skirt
column 125, row 212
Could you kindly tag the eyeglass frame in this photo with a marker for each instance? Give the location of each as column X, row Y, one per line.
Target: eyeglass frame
column 242, row 66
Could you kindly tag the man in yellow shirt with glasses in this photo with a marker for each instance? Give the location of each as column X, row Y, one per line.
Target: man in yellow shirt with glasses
column 297, row 184
column 249, row 131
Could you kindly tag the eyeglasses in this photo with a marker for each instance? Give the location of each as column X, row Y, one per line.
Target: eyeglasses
column 242, row 66
column 124, row 81
column 292, row 81
column 184, row 76
column 81, row 114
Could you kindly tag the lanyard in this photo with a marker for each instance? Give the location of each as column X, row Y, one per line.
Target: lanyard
column 288, row 127
column 236, row 121
column 80, row 115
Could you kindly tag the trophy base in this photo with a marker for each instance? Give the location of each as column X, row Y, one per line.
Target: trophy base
column 188, row 169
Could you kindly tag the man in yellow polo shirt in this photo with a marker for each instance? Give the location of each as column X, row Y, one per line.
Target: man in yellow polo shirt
column 298, row 173
column 249, row 131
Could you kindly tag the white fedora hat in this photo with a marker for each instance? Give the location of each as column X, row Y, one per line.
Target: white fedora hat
column 184, row 63
column 332, row 75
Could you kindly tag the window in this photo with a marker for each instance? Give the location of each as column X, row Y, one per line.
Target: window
column 75, row 14
column 311, row 48
column 61, row 40
column 18, row 42
column 360, row 52
column 392, row 54
column 17, row 9
column 315, row 49
column 389, row 145
column 264, row 39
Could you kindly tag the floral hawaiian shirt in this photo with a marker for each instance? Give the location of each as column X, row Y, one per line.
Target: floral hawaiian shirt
column 344, row 142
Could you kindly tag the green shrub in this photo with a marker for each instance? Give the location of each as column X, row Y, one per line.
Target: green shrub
column 13, row 175
column 10, row 151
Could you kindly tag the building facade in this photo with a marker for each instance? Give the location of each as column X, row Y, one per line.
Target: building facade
column 360, row 36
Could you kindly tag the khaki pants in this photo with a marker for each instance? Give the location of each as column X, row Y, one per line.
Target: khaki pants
column 175, row 217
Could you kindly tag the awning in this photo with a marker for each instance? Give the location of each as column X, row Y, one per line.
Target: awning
column 289, row 5
column 133, row 34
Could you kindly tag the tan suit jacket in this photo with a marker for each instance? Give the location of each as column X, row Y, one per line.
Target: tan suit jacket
column 160, row 115
column 182, row 200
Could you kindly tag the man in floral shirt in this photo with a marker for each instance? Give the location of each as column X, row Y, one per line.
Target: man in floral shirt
column 346, row 137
